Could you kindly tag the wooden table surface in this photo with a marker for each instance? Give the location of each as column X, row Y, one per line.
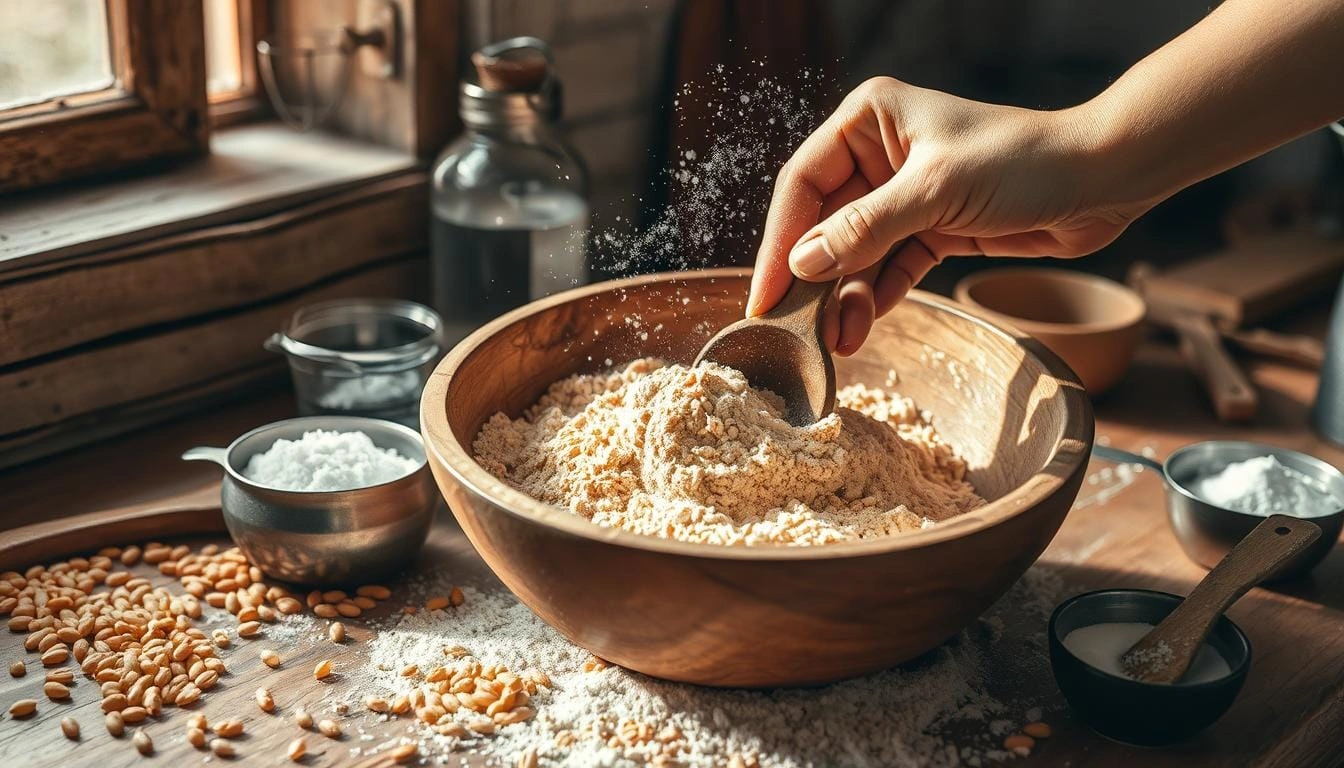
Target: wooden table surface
column 1290, row 713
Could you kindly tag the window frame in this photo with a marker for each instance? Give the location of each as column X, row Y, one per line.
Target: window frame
column 248, row 101
column 157, row 109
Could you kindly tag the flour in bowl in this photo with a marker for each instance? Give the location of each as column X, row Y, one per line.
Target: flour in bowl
column 698, row 455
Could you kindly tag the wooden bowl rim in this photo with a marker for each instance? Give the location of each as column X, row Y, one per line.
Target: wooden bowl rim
column 1132, row 316
column 456, row 459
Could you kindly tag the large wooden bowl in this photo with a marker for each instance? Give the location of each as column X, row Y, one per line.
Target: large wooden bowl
column 764, row 616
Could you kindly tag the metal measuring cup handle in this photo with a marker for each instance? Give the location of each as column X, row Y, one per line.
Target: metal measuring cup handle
column 284, row 345
column 219, row 456
column 1125, row 457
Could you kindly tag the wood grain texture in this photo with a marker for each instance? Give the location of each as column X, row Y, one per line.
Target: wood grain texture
column 195, row 513
column 1164, row 654
column 63, row 396
column 733, row 619
column 432, row 46
column 159, row 57
column 194, row 519
column 1251, row 281
column 1117, row 535
column 212, row 269
column 784, row 351
column 251, row 172
column 1234, row 399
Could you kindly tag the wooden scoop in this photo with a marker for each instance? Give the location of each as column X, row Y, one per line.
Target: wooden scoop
column 783, row 351
column 1163, row 655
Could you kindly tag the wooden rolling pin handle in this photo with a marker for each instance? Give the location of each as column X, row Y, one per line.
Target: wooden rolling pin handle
column 1234, row 399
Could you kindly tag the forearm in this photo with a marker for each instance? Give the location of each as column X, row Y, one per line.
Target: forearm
column 1250, row 76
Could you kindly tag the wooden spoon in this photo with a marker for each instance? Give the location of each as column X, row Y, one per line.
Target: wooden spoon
column 1164, row 654
column 783, row 351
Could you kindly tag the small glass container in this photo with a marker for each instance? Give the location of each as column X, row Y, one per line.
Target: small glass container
column 361, row 357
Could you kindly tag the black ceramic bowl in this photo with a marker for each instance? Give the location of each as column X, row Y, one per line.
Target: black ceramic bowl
column 1130, row 711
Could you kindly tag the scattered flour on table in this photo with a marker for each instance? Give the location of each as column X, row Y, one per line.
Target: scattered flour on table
column 697, row 454
column 935, row 711
column 1263, row 486
column 324, row 460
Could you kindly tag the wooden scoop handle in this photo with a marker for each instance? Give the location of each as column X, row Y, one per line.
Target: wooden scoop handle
column 1163, row 655
column 801, row 307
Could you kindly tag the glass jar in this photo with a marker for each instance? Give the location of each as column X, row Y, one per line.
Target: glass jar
column 509, row 197
column 361, row 357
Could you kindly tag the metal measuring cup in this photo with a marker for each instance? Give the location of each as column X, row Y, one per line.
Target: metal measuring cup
column 1207, row 532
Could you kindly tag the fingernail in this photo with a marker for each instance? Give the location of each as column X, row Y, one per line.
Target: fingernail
column 810, row 258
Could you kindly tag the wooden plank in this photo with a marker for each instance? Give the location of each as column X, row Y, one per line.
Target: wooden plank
column 53, row 394
column 291, row 684
column 192, row 274
column 80, row 431
column 252, row 171
column 190, row 514
column 1252, row 281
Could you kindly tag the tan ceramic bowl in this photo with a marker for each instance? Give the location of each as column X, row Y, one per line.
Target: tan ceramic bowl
column 763, row 616
column 1091, row 322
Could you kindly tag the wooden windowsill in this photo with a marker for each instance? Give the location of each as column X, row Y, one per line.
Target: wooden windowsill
column 251, row 171
column 131, row 302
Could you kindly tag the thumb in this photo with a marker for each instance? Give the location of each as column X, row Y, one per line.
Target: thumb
column 859, row 234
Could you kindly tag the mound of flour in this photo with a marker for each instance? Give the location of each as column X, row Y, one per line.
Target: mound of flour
column 698, row 455
column 324, row 460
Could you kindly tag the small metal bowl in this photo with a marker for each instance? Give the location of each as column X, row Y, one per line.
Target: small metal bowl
column 325, row 537
column 1131, row 711
column 1207, row 532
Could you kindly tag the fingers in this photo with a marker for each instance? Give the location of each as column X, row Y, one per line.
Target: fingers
column 855, row 297
column 903, row 271
column 771, row 279
column 862, row 232
column 865, row 296
column 820, row 166
column 830, row 324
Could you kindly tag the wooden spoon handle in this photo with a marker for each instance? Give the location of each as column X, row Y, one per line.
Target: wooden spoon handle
column 1264, row 551
column 801, row 307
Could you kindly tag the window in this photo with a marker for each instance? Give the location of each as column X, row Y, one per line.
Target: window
column 232, row 29
column 94, row 86
column 53, row 49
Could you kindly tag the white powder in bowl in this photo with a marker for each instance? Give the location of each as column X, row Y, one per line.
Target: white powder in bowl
column 324, row 460
column 1263, row 486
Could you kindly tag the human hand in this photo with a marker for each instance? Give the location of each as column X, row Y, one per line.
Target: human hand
column 900, row 177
